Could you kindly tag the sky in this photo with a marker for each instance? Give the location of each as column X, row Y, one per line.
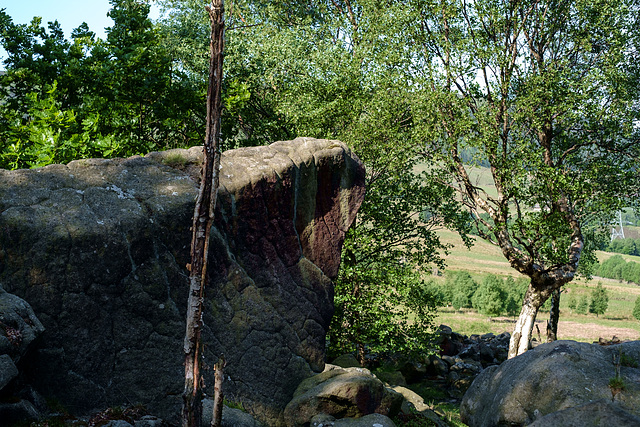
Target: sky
column 69, row 13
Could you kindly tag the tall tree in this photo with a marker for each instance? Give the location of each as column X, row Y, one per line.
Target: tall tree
column 202, row 222
column 544, row 93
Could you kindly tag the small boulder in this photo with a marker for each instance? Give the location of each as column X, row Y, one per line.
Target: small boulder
column 346, row 361
column 8, row 370
column 231, row 417
column 371, row 420
column 19, row 326
column 393, row 378
column 340, row 392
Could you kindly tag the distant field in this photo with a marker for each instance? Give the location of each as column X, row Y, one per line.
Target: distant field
column 484, row 258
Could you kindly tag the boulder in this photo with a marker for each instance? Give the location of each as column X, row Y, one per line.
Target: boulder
column 19, row 326
column 99, row 249
column 601, row 413
column 231, row 417
column 341, row 393
column 549, row 378
column 371, row 420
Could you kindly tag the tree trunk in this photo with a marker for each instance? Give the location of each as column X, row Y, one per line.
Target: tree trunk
column 202, row 221
column 216, row 418
column 554, row 316
column 521, row 337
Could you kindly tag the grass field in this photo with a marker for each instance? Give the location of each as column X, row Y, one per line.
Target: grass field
column 484, row 258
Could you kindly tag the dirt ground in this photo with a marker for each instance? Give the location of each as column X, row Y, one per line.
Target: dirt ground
column 587, row 332
column 591, row 331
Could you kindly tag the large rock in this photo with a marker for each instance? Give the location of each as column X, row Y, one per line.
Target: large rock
column 341, row 393
column 552, row 377
column 601, row 413
column 99, row 249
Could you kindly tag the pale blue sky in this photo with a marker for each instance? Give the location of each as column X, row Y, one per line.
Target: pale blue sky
column 69, row 13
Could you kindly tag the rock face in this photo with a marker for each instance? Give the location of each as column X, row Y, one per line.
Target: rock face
column 554, row 377
column 99, row 249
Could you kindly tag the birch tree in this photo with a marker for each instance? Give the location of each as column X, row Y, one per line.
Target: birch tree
column 543, row 91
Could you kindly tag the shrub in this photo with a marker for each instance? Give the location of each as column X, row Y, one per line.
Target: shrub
column 599, row 300
column 490, row 298
column 636, row 309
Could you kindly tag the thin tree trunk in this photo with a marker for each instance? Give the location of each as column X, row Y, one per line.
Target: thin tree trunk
column 554, row 316
column 202, row 221
column 216, row 419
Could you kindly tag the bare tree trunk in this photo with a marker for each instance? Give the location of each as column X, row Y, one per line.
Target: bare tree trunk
column 202, row 221
column 521, row 337
column 554, row 316
column 216, row 419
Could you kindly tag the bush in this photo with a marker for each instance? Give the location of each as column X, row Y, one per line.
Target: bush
column 599, row 300
column 636, row 309
column 583, row 305
column 490, row 298
column 463, row 287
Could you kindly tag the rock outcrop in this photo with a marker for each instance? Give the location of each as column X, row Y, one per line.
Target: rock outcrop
column 551, row 379
column 99, row 249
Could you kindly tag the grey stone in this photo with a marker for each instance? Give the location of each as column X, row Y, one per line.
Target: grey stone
column 149, row 421
column 550, row 378
column 393, row 378
column 322, row 420
column 8, row 370
column 117, row 423
column 99, row 249
column 346, row 361
column 19, row 326
column 21, row 411
column 231, row 417
column 371, row 420
column 341, row 392
column 602, row 413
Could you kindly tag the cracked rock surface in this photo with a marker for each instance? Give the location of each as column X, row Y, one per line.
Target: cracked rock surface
column 99, row 247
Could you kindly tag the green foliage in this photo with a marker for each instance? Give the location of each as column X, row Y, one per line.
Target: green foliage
column 380, row 310
column 463, row 287
column 617, row 268
column 490, row 297
column 583, row 305
column 628, row 361
column 636, row 309
column 599, row 300
column 626, row 246
column 87, row 97
column 532, row 109
column 617, row 383
column 46, row 134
